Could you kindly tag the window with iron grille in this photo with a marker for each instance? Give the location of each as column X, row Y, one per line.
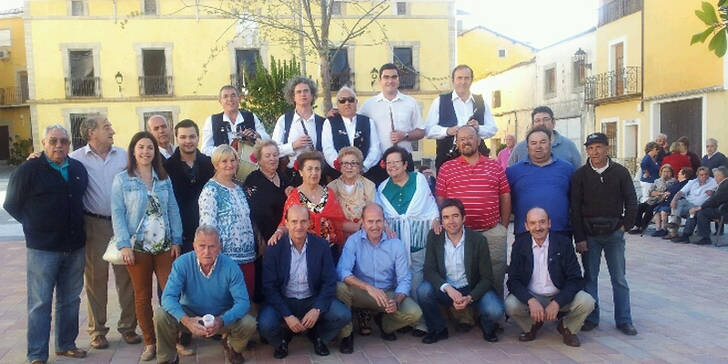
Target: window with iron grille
column 549, row 87
column 154, row 79
column 76, row 139
column 401, row 8
column 579, row 73
column 81, row 80
column 402, row 57
column 610, row 129
column 150, row 7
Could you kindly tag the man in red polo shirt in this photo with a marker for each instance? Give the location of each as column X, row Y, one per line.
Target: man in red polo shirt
column 481, row 184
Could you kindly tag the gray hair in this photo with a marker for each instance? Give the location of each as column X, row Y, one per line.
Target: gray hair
column 661, row 135
column 711, row 141
column 723, row 170
column 88, row 124
column 60, row 127
column 295, row 81
column 228, row 87
column 207, row 230
column 155, row 116
column 345, row 88
column 703, row 168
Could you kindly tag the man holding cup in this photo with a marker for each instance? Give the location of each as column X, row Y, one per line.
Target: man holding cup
column 204, row 283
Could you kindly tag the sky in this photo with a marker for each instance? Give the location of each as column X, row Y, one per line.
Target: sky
column 537, row 22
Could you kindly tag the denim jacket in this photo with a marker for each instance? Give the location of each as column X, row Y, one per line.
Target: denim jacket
column 129, row 204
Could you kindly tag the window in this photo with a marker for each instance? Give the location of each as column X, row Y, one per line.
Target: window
column 150, row 7
column 496, row 99
column 550, row 82
column 81, row 80
column 402, row 57
column 502, row 53
column 78, row 8
column 245, row 66
column 579, row 73
column 416, row 146
column 610, row 129
column 339, row 66
column 76, row 119
column 5, row 39
column 336, row 8
column 167, row 115
column 401, row 8
column 154, row 80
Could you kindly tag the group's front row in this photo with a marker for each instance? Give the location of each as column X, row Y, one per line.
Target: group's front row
column 205, row 294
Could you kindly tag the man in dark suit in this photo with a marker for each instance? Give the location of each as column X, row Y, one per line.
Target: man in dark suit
column 457, row 272
column 544, row 278
column 299, row 283
column 710, row 209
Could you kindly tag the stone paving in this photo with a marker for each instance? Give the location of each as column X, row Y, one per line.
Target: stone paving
column 678, row 305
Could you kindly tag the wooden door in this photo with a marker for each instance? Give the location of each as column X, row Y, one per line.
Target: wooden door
column 683, row 118
column 619, row 69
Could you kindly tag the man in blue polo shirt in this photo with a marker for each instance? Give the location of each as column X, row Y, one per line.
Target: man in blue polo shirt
column 541, row 180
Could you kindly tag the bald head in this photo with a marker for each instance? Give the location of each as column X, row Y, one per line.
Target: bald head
column 372, row 221
column 297, row 221
column 538, row 224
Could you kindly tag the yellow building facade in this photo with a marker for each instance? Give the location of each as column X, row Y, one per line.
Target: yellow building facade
column 15, row 121
column 489, row 52
column 89, row 57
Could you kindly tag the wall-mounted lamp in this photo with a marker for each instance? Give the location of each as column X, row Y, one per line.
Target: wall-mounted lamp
column 119, row 80
column 581, row 56
column 374, row 74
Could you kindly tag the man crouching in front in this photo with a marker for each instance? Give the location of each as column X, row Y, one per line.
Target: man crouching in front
column 205, row 295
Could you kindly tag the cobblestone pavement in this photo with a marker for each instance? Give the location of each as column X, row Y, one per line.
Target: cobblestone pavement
column 678, row 295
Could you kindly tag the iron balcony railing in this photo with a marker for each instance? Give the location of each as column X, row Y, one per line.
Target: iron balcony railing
column 409, row 79
column 341, row 79
column 621, row 83
column 156, row 85
column 617, row 9
column 13, row 96
column 83, row 87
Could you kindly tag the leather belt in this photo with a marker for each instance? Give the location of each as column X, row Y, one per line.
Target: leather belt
column 89, row 213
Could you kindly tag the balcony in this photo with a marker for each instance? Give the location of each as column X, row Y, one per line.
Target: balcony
column 341, row 79
column 83, row 87
column 617, row 9
column 156, row 85
column 614, row 85
column 11, row 96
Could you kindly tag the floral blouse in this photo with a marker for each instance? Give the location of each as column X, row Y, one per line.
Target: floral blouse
column 155, row 238
column 227, row 209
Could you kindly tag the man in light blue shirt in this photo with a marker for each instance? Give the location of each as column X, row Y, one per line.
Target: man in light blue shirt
column 374, row 275
column 204, row 282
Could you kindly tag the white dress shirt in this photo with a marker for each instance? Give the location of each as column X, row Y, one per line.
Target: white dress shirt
column 101, row 172
column 463, row 111
column 208, row 143
column 541, row 283
column 455, row 263
column 696, row 193
column 405, row 112
column 296, row 131
column 330, row 153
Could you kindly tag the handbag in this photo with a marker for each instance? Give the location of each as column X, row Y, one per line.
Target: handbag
column 112, row 253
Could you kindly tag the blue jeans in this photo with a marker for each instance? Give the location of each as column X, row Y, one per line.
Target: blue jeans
column 47, row 271
column 490, row 307
column 613, row 247
column 327, row 327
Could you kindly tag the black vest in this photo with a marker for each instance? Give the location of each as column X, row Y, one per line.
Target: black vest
column 220, row 129
column 340, row 137
column 288, row 120
column 448, row 118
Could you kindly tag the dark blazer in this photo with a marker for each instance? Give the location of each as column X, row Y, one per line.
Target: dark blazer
column 719, row 197
column 478, row 270
column 321, row 273
column 187, row 191
column 563, row 268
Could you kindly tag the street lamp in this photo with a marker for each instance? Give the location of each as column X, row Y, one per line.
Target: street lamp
column 119, row 80
column 581, row 57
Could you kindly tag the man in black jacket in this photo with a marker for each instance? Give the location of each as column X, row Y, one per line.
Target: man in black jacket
column 710, row 209
column 603, row 207
column 544, row 278
column 45, row 195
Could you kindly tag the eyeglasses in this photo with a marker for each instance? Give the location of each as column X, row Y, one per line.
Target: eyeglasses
column 343, row 100
column 350, row 164
column 56, row 141
column 392, row 77
column 546, row 119
column 393, row 163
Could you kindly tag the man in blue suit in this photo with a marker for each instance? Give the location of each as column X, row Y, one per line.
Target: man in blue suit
column 545, row 278
column 299, row 283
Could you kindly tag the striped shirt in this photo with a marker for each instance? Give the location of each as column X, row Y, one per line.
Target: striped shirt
column 478, row 186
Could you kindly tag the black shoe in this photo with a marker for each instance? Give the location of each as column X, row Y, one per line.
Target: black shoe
column 404, row 330
column 627, row 329
column 346, row 346
column 386, row 336
column 434, row 337
column 320, row 348
column 588, row 326
column 281, row 351
column 462, row 327
column 635, row 231
column 490, row 337
column 418, row 333
column 681, row 239
column 703, row 241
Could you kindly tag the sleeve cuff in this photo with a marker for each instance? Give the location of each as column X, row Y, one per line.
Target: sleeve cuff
column 442, row 288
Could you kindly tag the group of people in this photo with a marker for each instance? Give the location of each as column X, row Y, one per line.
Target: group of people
column 332, row 218
column 676, row 184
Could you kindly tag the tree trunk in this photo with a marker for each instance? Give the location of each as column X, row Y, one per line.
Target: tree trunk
column 325, row 80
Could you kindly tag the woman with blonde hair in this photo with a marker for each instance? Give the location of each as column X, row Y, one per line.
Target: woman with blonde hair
column 351, row 188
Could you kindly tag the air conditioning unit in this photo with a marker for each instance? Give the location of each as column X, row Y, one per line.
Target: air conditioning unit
column 4, row 54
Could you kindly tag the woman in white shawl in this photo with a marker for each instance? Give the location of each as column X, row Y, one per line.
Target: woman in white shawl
column 410, row 210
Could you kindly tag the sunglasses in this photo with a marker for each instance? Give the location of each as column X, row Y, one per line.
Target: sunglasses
column 343, row 100
column 62, row 141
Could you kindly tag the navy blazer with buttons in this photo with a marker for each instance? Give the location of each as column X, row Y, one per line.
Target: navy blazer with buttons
column 564, row 269
column 321, row 273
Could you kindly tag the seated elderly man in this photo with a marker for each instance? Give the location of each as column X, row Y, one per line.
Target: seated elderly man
column 544, row 278
column 204, row 282
column 457, row 272
column 692, row 195
column 708, row 210
column 375, row 275
column 299, row 282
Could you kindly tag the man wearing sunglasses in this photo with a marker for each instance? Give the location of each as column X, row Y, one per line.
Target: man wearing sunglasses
column 350, row 129
column 45, row 195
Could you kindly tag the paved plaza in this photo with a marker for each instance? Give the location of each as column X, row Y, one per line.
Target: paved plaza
column 678, row 305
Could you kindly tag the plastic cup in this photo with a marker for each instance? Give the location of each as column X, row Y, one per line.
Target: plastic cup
column 208, row 320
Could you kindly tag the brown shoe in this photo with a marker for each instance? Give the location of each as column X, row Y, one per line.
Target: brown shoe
column 99, row 342
column 569, row 338
column 37, row 362
column 72, row 353
column 131, row 338
column 232, row 356
column 531, row 335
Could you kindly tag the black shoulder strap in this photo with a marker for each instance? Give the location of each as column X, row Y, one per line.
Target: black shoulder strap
column 287, row 121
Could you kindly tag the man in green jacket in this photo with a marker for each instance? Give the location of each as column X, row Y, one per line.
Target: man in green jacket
column 457, row 272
